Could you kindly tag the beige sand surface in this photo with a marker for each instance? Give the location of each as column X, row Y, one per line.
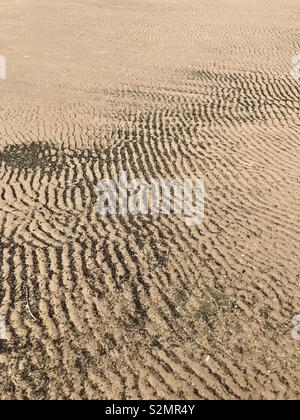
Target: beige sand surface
column 142, row 306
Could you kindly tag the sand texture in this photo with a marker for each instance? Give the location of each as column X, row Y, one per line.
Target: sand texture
column 137, row 306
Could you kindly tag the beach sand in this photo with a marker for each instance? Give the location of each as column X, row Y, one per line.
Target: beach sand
column 141, row 306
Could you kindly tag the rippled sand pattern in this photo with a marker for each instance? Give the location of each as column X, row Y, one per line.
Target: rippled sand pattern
column 140, row 306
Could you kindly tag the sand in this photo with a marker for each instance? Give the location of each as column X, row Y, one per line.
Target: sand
column 144, row 307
